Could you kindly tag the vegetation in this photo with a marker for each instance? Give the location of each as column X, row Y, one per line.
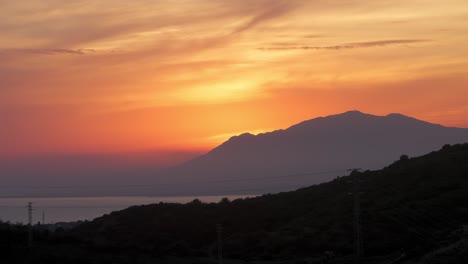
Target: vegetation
column 415, row 209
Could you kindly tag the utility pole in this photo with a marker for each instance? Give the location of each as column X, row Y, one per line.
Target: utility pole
column 219, row 230
column 30, row 225
column 43, row 217
column 357, row 216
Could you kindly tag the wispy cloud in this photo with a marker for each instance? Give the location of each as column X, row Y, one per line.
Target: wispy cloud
column 274, row 12
column 313, row 36
column 51, row 51
column 354, row 45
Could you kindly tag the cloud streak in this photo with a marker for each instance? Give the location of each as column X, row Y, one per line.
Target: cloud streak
column 367, row 44
column 51, row 51
column 274, row 12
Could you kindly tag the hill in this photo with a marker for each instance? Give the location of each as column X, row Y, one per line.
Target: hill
column 411, row 206
column 413, row 210
column 320, row 149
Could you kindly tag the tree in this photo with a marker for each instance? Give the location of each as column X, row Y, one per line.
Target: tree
column 404, row 157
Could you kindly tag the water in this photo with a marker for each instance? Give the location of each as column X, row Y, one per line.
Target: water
column 63, row 209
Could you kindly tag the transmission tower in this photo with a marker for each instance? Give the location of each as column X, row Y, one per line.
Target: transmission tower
column 357, row 216
column 30, row 225
column 219, row 230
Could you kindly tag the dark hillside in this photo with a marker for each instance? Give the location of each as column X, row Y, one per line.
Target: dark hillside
column 408, row 206
column 413, row 211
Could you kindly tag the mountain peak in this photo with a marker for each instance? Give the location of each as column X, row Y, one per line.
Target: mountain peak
column 353, row 112
column 356, row 113
column 396, row 115
column 350, row 115
column 359, row 113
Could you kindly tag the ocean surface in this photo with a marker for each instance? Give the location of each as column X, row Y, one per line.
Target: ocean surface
column 68, row 209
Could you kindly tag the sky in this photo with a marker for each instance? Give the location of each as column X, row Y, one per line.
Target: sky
column 177, row 78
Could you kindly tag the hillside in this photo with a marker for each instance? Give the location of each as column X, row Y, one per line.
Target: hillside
column 414, row 209
column 411, row 205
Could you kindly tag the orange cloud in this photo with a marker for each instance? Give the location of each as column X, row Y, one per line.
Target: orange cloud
column 367, row 44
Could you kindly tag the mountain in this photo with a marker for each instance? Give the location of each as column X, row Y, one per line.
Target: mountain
column 310, row 152
column 412, row 211
column 307, row 153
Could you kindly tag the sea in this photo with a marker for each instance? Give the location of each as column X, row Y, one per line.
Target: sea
column 70, row 209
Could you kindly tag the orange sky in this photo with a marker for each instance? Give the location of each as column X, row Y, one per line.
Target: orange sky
column 130, row 76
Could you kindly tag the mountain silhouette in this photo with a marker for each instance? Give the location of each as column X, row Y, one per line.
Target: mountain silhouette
column 320, row 148
column 307, row 153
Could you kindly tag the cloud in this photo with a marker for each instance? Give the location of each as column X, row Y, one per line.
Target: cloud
column 354, row 45
column 384, row 42
column 313, row 36
column 273, row 12
column 51, row 51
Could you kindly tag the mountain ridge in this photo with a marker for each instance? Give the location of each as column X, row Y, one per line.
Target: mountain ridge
column 333, row 142
column 256, row 164
column 347, row 114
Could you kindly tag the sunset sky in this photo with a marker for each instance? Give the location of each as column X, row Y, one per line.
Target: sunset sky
column 183, row 76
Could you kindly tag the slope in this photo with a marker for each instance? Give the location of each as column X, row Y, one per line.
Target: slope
column 408, row 207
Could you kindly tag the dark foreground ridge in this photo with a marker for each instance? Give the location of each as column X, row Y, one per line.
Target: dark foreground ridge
column 413, row 211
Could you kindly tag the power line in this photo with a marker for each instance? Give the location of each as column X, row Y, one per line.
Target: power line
column 415, row 221
column 167, row 195
column 357, row 211
column 219, row 230
column 171, row 184
column 425, row 216
column 69, row 207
